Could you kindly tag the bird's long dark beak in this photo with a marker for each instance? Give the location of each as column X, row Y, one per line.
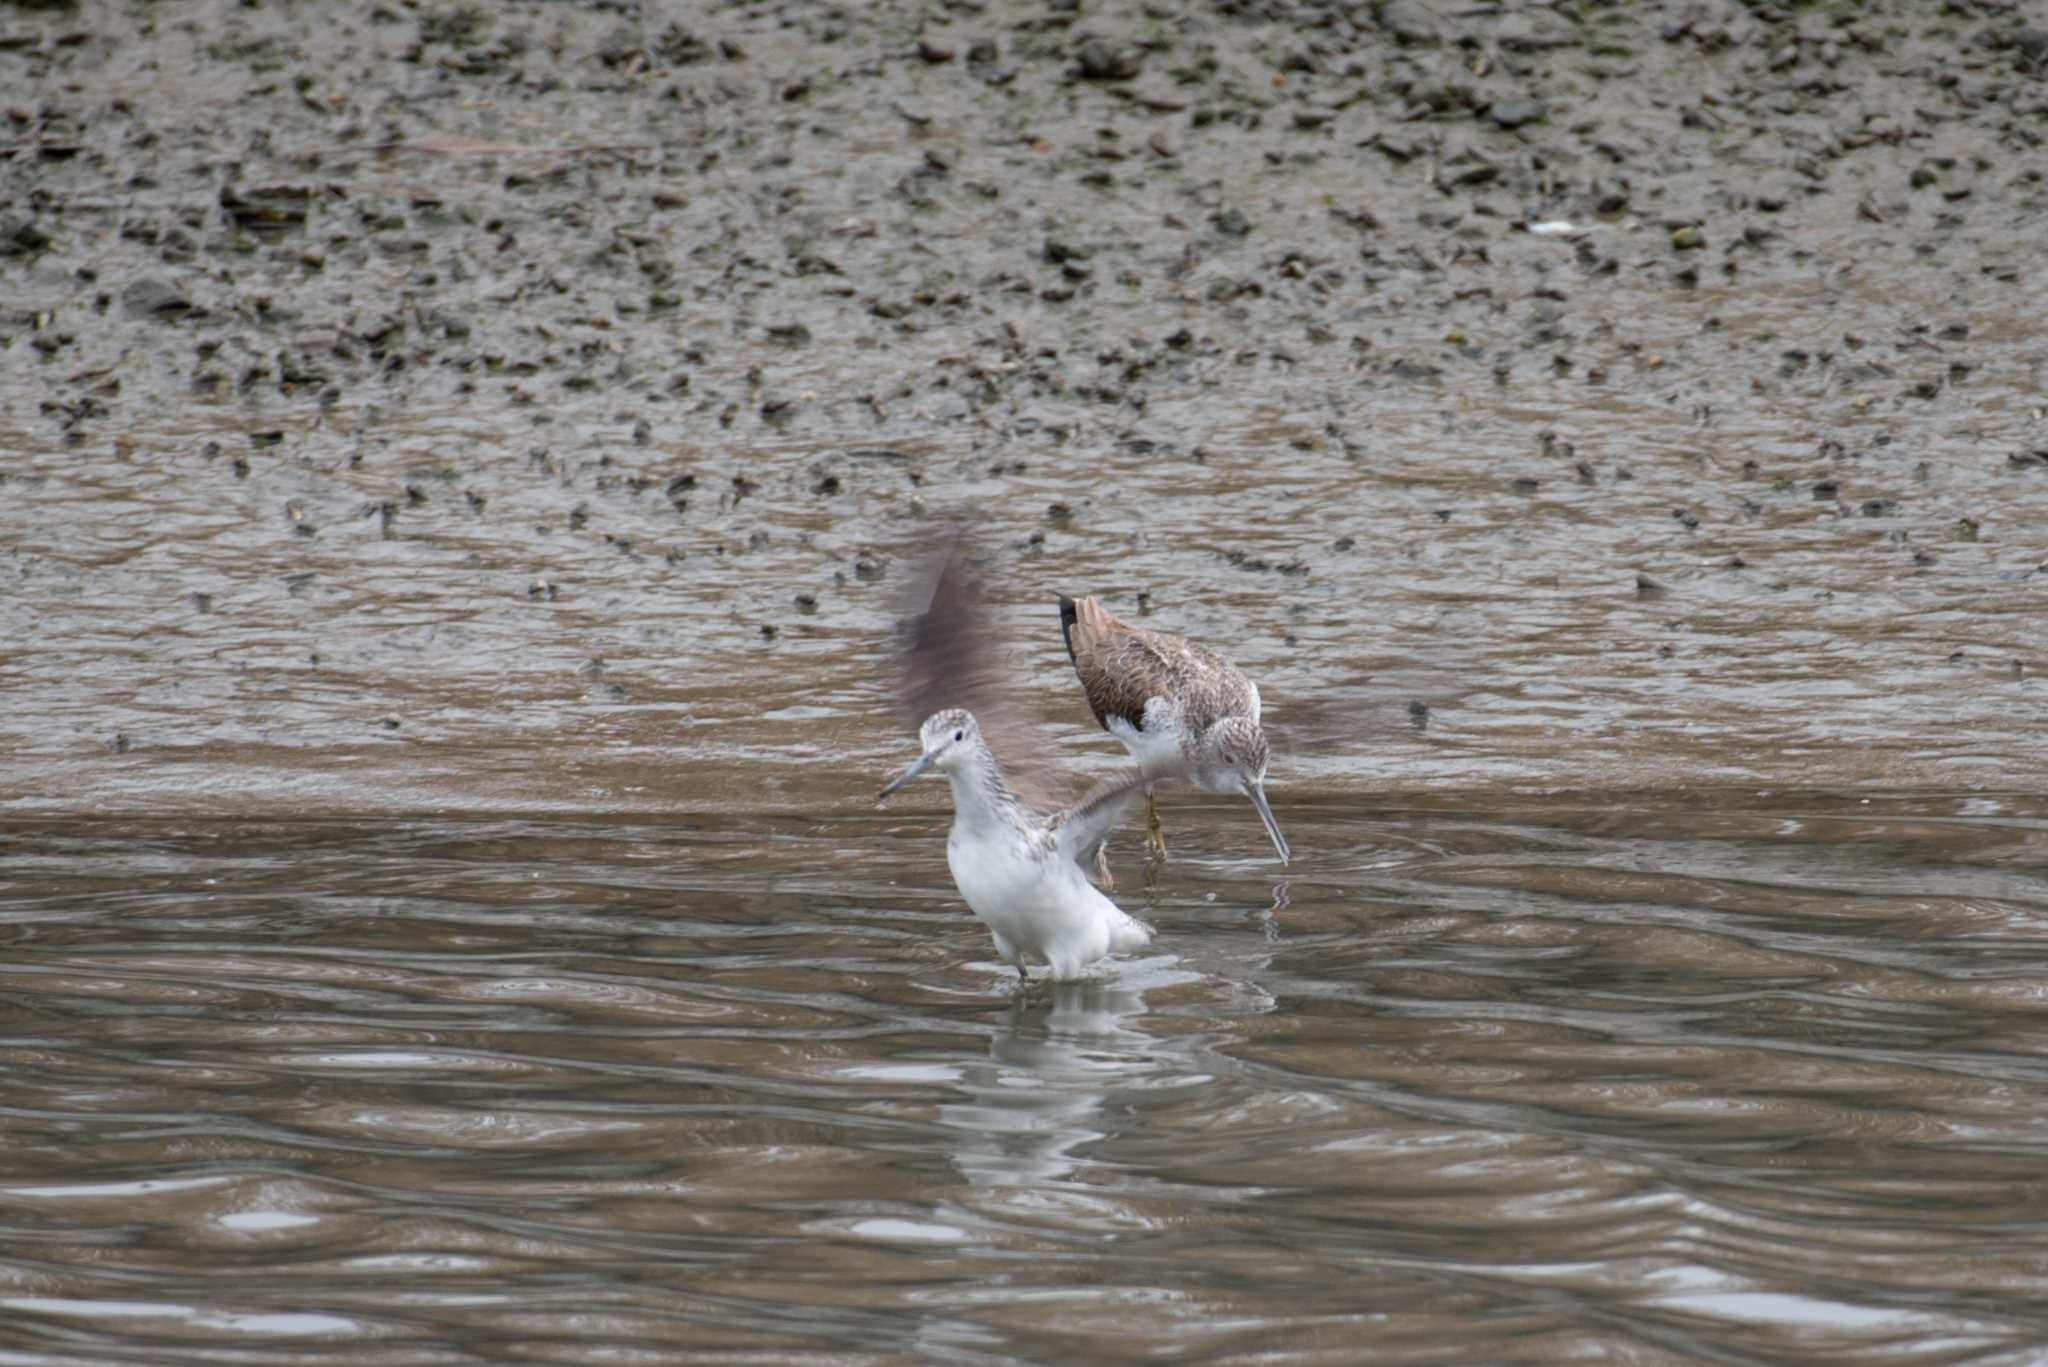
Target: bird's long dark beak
column 917, row 766
column 1257, row 794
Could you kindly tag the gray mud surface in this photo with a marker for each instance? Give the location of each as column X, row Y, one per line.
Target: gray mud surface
column 532, row 406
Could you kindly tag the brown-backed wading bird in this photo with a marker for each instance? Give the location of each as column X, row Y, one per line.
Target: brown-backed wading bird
column 1179, row 708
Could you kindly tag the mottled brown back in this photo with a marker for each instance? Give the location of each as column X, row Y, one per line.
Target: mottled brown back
column 1121, row 666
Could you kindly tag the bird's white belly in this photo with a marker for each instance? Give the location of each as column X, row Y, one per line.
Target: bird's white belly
column 1156, row 749
column 1043, row 907
column 1012, row 892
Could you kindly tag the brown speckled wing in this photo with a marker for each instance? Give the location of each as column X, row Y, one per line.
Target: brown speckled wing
column 1123, row 666
column 1118, row 667
column 948, row 657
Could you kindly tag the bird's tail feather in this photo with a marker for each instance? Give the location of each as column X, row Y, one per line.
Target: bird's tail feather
column 1069, row 614
column 1130, row 934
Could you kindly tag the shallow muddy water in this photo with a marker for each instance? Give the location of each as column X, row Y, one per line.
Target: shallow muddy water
column 1746, row 1078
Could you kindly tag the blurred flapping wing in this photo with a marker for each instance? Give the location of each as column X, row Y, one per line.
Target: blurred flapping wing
column 948, row 658
column 1085, row 825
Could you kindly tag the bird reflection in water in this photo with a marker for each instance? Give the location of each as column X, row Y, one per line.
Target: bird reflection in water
column 1053, row 1064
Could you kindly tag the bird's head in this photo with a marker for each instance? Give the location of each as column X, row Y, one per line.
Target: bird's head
column 1233, row 759
column 1234, row 756
column 950, row 739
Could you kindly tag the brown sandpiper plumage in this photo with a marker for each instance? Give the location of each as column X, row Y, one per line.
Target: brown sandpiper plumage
column 1178, row 707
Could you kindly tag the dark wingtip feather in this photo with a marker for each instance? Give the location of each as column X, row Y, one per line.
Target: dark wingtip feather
column 949, row 656
column 941, row 637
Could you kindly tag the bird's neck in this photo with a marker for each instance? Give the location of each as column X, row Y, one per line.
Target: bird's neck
column 980, row 797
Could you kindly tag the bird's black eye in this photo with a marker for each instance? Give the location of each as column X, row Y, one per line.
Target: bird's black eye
column 959, row 735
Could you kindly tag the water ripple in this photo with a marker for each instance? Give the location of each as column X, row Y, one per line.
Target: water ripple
column 1758, row 1081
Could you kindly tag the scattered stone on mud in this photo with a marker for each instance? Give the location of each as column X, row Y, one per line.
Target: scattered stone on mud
column 158, row 299
column 1099, row 60
column 804, row 276
column 1411, row 22
column 1515, row 113
column 21, row 237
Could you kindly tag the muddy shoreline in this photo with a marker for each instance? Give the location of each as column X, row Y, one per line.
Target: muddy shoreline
column 534, row 407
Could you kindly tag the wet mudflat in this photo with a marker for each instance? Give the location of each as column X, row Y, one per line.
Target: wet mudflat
column 459, row 467
column 530, row 407
column 1733, row 1081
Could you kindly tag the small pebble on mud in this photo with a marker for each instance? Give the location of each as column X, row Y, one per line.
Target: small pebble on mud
column 1515, row 113
column 156, row 299
column 1098, row 60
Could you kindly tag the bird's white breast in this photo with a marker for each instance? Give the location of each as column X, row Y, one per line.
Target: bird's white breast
column 1043, row 905
column 998, row 876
